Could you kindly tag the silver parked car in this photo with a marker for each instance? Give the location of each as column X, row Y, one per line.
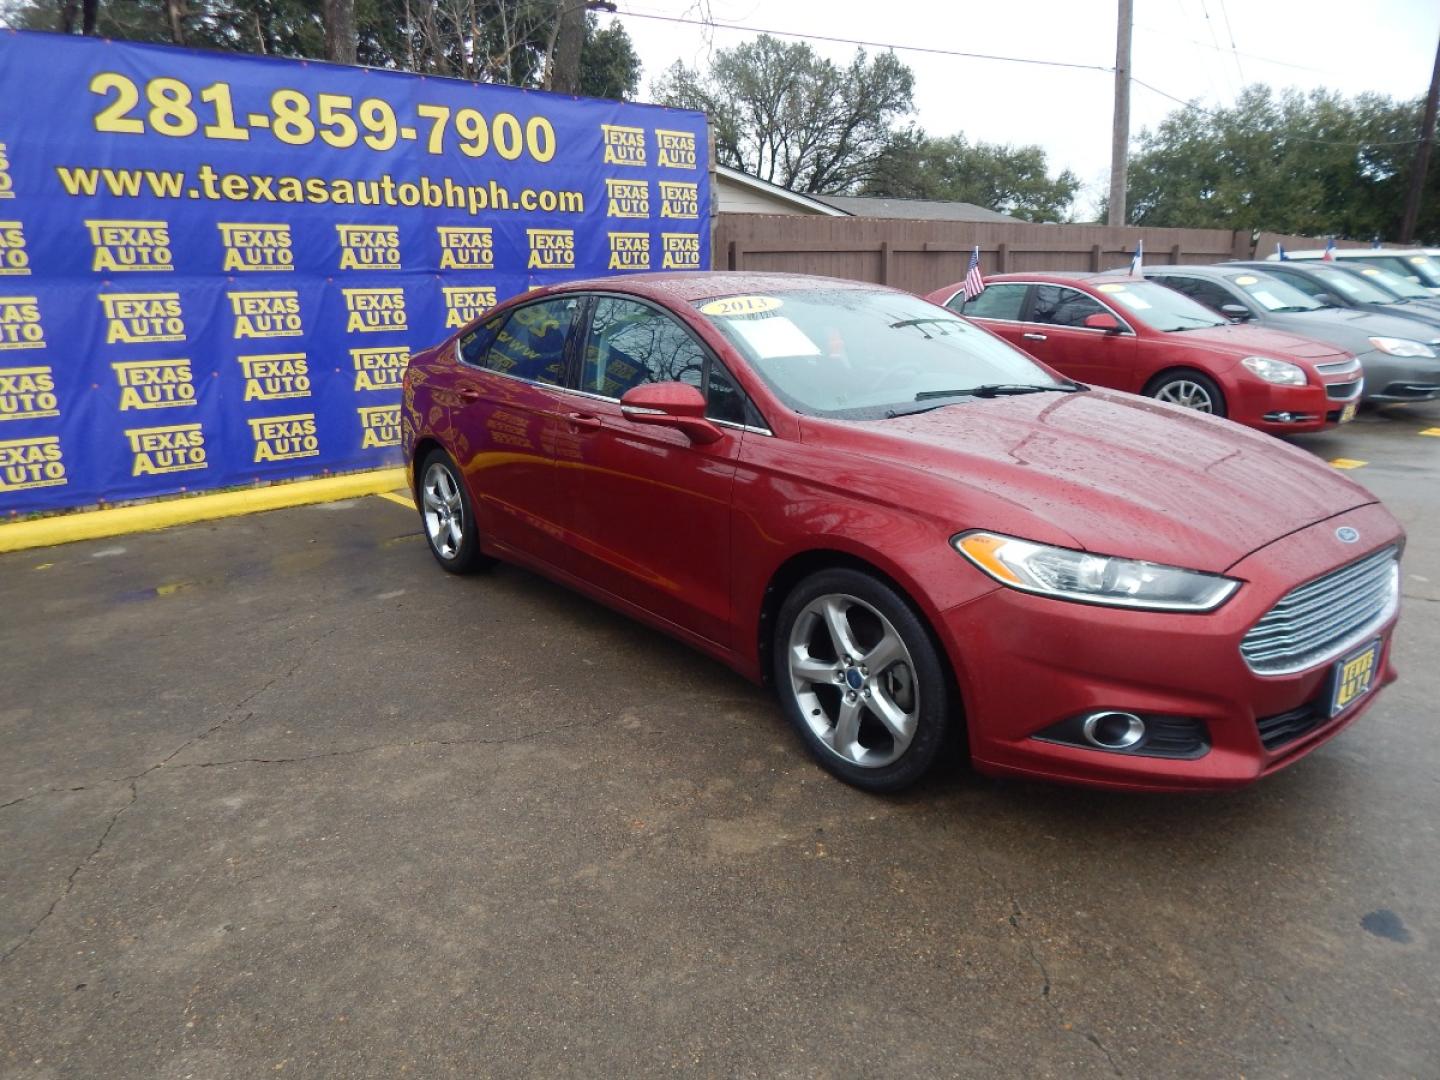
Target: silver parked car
column 1410, row 263
column 1401, row 357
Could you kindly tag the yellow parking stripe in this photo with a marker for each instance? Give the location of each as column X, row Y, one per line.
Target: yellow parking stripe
column 1347, row 463
column 1431, row 431
column 399, row 500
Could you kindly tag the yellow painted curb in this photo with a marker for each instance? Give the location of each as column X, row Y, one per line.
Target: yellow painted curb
column 94, row 524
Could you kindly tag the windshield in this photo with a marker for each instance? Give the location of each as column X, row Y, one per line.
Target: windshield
column 1159, row 307
column 1392, row 282
column 1420, row 269
column 1273, row 294
column 858, row 354
column 1351, row 287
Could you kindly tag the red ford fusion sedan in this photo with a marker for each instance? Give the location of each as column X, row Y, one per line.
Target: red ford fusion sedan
column 1130, row 334
column 910, row 529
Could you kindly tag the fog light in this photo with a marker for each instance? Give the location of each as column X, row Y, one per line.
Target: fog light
column 1118, row 731
column 1113, row 730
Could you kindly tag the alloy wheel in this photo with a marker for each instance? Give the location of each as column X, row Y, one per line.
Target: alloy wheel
column 443, row 509
column 1187, row 394
column 854, row 679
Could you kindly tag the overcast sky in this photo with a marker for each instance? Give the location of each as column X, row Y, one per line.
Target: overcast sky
column 1180, row 46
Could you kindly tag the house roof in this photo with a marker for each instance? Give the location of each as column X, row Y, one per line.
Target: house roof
column 913, row 209
column 808, row 203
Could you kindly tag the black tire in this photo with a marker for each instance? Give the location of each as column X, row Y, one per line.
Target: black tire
column 1176, row 383
column 464, row 556
column 815, row 705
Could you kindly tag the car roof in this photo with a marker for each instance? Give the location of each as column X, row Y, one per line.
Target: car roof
column 1212, row 270
column 686, row 286
column 1063, row 277
column 1348, row 253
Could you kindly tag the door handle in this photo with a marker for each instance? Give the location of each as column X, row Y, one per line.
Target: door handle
column 468, row 395
column 583, row 422
column 1033, row 337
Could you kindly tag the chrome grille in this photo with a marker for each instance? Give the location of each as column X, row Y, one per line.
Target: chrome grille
column 1319, row 620
column 1339, row 367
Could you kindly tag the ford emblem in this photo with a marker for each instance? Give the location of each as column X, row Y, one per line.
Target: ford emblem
column 1346, row 535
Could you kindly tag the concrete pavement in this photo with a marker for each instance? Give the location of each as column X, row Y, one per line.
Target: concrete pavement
column 282, row 798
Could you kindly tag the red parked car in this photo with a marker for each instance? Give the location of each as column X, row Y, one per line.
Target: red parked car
column 910, row 529
column 1130, row 334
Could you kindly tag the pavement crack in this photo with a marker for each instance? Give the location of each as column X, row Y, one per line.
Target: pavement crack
column 75, row 873
column 1015, row 922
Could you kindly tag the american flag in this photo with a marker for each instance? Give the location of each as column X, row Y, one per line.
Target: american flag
column 974, row 283
column 1329, row 255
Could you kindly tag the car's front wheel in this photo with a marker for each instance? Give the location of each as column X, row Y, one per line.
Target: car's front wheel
column 860, row 679
column 1190, row 390
column 446, row 512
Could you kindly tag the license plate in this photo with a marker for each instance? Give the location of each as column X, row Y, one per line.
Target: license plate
column 1354, row 677
column 1348, row 413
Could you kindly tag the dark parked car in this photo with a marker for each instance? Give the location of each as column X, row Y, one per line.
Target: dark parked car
column 910, row 529
column 1401, row 357
column 1414, row 265
column 1129, row 334
column 1333, row 286
column 1403, row 288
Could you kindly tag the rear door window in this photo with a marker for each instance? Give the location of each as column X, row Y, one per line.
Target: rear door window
column 531, row 343
column 1001, row 301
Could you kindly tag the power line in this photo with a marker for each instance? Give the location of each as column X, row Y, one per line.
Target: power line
column 1225, row 14
column 871, row 44
column 1108, row 70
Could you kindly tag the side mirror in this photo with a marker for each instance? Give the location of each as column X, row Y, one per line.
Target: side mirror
column 670, row 404
column 1327, row 299
column 1103, row 320
column 1236, row 312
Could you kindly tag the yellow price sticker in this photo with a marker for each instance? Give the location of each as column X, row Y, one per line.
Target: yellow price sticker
column 740, row 305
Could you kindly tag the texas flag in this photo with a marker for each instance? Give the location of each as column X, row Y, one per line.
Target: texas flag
column 1137, row 258
column 1329, row 255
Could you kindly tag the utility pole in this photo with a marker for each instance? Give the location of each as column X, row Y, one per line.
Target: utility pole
column 1120, row 134
column 569, row 39
column 1422, row 158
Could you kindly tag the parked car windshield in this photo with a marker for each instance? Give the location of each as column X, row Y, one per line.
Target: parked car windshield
column 857, row 354
column 1273, row 294
column 1418, row 268
column 1391, row 282
column 1349, row 286
column 1158, row 307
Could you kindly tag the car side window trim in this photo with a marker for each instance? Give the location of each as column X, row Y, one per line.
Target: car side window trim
column 582, row 337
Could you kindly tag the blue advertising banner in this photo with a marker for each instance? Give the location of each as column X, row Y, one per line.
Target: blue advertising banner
column 213, row 267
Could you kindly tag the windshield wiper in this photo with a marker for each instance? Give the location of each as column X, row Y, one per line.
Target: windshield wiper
column 990, row 390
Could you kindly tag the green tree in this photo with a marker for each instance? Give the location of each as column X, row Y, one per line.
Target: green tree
column 1014, row 180
column 1317, row 164
column 485, row 40
column 789, row 116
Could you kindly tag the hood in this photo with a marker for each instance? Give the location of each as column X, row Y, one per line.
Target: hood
column 1365, row 324
column 1247, row 339
column 1119, row 474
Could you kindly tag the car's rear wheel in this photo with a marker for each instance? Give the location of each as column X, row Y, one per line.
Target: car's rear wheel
column 860, row 679
column 447, row 515
column 1189, row 390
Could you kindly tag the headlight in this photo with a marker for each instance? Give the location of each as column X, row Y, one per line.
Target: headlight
column 1399, row 346
column 1276, row 371
column 1092, row 579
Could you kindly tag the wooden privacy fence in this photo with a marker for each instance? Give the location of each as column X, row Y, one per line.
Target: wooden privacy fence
column 920, row 256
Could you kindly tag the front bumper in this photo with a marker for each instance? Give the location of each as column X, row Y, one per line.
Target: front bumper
column 1280, row 410
column 1027, row 662
column 1399, row 378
